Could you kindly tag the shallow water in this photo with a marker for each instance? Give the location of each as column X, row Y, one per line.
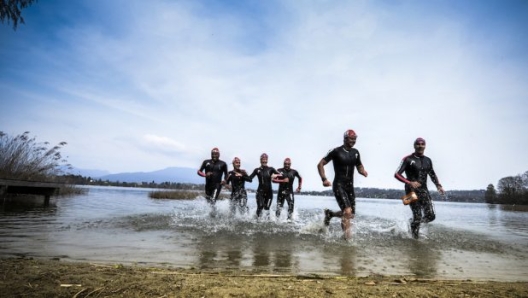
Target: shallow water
column 123, row 225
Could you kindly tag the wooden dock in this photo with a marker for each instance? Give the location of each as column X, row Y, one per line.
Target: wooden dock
column 46, row 189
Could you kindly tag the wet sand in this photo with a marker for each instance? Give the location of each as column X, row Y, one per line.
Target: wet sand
column 27, row 277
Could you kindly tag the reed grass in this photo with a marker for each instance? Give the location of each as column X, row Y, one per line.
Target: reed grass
column 71, row 190
column 23, row 158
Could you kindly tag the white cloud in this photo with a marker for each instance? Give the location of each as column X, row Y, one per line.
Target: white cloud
column 164, row 143
column 161, row 87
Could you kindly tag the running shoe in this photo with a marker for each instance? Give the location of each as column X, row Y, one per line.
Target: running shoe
column 415, row 231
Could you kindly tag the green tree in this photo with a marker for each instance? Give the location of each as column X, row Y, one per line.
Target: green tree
column 510, row 189
column 491, row 194
column 11, row 10
column 23, row 158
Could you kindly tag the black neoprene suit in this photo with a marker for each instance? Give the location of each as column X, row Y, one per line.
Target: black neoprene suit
column 286, row 191
column 238, row 190
column 417, row 168
column 345, row 162
column 214, row 181
column 264, row 191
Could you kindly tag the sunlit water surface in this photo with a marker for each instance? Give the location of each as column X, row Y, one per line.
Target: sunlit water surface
column 123, row 225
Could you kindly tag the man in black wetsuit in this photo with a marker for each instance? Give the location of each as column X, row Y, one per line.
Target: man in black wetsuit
column 265, row 175
column 286, row 188
column 416, row 168
column 345, row 160
column 237, row 178
column 213, row 169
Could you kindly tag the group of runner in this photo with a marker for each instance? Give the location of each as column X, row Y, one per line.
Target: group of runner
column 346, row 159
column 214, row 169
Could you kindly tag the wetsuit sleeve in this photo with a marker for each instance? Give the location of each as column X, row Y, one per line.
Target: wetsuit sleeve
column 298, row 175
column 245, row 177
column 300, row 178
column 225, row 170
column 358, row 160
column 329, row 156
column 228, row 178
column 202, row 168
column 252, row 175
column 399, row 171
column 433, row 176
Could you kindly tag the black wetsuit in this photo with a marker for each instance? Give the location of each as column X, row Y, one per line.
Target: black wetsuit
column 345, row 162
column 286, row 191
column 264, row 190
column 214, row 181
column 417, row 168
column 238, row 190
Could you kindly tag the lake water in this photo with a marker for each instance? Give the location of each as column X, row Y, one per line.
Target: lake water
column 123, row 225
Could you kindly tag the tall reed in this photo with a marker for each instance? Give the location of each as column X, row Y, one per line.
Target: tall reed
column 22, row 157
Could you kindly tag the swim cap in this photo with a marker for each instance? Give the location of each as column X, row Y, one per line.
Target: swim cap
column 287, row 160
column 419, row 140
column 236, row 159
column 349, row 134
column 215, row 150
column 264, row 155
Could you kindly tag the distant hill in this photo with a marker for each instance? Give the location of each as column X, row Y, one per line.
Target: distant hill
column 87, row 172
column 171, row 174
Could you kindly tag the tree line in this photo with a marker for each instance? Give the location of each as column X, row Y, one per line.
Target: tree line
column 511, row 190
column 475, row 196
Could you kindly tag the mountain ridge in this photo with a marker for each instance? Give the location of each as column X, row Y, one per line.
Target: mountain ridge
column 169, row 174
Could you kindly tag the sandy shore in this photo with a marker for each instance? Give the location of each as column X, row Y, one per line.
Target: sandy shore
column 53, row 278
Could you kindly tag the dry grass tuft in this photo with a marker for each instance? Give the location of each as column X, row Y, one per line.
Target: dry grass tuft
column 23, row 158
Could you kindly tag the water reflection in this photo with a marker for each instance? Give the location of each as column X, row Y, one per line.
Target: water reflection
column 261, row 252
column 219, row 251
column 234, row 257
column 422, row 260
column 258, row 251
column 25, row 203
column 520, row 208
column 283, row 259
column 347, row 261
column 493, row 213
column 510, row 217
column 273, row 253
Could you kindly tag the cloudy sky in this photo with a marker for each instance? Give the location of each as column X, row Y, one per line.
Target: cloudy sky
column 141, row 86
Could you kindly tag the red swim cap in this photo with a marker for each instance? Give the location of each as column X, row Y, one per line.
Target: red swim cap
column 350, row 134
column 419, row 140
column 287, row 160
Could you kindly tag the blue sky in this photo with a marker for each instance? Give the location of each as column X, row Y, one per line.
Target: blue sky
column 132, row 86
